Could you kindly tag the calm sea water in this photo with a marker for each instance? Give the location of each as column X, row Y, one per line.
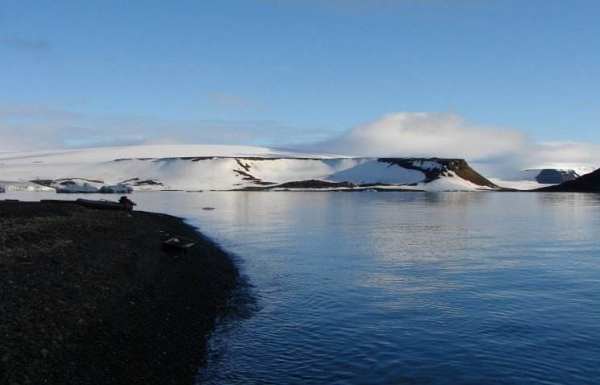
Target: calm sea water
column 405, row 288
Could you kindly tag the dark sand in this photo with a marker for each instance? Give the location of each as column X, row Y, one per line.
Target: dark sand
column 89, row 296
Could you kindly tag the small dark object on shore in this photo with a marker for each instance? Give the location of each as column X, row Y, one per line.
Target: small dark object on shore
column 178, row 243
column 123, row 204
column 100, row 204
column 127, row 203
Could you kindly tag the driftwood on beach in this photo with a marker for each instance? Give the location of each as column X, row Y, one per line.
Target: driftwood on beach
column 103, row 204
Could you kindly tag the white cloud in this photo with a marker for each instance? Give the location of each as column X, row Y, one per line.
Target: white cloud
column 493, row 151
column 426, row 134
column 563, row 154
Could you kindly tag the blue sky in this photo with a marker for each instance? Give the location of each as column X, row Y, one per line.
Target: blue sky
column 288, row 71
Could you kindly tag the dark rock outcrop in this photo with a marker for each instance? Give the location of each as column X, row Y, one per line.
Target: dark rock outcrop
column 313, row 183
column 586, row 183
column 460, row 167
column 554, row 176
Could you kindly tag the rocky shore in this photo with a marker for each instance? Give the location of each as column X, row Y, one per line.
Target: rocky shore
column 90, row 296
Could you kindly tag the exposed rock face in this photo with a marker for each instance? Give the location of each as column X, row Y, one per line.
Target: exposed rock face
column 310, row 184
column 115, row 189
column 139, row 182
column 434, row 168
column 586, row 183
column 142, row 184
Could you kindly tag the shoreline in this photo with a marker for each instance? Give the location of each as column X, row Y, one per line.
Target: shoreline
column 92, row 297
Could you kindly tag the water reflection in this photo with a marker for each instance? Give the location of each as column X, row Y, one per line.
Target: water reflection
column 405, row 288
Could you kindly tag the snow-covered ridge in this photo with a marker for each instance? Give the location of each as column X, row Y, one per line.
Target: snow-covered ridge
column 535, row 178
column 6, row 186
column 105, row 154
column 550, row 175
column 231, row 168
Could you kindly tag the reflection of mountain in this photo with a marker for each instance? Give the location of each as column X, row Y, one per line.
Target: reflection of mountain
column 233, row 168
column 586, row 183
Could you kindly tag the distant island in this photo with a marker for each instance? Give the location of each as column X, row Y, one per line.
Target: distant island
column 121, row 170
column 585, row 183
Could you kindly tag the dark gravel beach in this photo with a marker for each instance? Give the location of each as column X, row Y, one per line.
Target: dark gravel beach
column 89, row 296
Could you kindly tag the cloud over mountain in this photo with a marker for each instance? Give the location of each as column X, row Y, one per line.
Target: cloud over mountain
column 426, row 134
column 494, row 151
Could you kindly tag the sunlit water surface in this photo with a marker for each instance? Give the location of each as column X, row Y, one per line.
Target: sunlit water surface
column 405, row 288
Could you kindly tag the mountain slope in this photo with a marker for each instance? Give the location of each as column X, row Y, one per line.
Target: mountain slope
column 435, row 168
column 586, row 183
column 536, row 178
column 550, row 175
column 232, row 168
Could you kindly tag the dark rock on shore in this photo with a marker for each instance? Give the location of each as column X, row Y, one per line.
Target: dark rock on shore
column 90, row 297
column 313, row 183
column 586, row 183
column 302, row 184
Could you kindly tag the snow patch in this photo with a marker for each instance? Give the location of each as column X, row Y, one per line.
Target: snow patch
column 451, row 182
column 519, row 184
column 373, row 171
column 6, row 186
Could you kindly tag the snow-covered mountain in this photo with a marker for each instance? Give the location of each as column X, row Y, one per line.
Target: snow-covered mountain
column 550, row 175
column 536, row 178
column 201, row 167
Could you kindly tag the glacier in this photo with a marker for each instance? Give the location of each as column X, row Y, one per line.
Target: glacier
column 210, row 167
